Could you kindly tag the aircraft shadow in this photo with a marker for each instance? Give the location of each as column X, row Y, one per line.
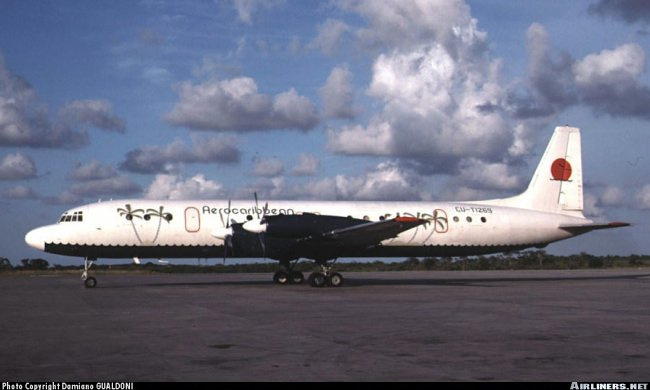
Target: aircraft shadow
column 357, row 282
column 480, row 282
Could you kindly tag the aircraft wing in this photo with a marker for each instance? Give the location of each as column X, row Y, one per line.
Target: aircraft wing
column 580, row 229
column 314, row 236
column 365, row 234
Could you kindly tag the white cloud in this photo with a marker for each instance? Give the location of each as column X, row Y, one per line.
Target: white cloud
column 236, row 105
column 268, row 167
column 157, row 159
column 94, row 170
column 329, row 35
column 17, row 167
column 19, row 192
column 307, row 165
column 611, row 66
column 592, row 208
column 629, row 11
column 434, row 107
column 402, row 24
column 386, row 181
column 95, row 180
column 246, row 8
column 66, row 198
column 491, row 176
column 607, row 82
column 174, row 187
column 24, row 121
column 96, row 113
column 116, row 185
column 376, row 139
column 643, row 197
column 550, row 80
column 338, row 95
column 612, row 196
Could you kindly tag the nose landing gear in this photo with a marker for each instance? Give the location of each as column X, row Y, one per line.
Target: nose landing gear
column 89, row 281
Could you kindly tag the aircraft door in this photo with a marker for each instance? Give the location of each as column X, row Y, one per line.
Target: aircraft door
column 192, row 220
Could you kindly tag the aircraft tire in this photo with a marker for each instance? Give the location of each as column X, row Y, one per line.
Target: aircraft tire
column 296, row 277
column 281, row 277
column 90, row 282
column 335, row 279
column 317, row 279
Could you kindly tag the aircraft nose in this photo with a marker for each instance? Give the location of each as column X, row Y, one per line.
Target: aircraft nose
column 36, row 238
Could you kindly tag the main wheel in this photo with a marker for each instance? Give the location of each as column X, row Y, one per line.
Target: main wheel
column 335, row 279
column 317, row 279
column 90, row 282
column 281, row 277
column 296, row 277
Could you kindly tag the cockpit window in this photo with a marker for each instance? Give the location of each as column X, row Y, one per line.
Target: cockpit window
column 77, row 216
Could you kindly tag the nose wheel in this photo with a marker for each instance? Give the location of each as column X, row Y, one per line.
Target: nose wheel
column 89, row 281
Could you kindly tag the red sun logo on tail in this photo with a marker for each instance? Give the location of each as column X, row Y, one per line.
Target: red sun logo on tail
column 561, row 169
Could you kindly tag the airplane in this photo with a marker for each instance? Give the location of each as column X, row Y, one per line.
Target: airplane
column 549, row 210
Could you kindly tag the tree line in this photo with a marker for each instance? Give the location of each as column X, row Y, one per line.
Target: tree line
column 527, row 260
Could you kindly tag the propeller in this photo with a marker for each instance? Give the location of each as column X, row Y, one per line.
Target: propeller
column 253, row 225
column 225, row 234
column 258, row 226
column 228, row 237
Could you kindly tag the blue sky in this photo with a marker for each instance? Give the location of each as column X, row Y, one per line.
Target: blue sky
column 365, row 100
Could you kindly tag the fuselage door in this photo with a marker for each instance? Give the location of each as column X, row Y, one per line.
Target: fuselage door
column 192, row 220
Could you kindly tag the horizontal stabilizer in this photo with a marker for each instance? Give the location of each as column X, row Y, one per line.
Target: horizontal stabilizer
column 580, row 229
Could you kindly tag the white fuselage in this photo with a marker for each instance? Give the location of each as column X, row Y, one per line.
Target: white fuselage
column 179, row 229
column 550, row 209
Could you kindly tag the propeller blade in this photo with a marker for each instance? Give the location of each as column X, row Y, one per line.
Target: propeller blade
column 227, row 244
column 263, row 244
column 227, row 220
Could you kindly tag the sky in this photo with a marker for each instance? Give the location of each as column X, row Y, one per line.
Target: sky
column 334, row 100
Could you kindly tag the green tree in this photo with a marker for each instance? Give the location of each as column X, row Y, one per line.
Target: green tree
column 5, row 263
column 35, row 264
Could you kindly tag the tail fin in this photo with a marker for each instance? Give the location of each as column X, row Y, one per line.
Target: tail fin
column 556, row 185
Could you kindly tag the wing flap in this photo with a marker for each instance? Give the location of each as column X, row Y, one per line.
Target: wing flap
column 365, row 234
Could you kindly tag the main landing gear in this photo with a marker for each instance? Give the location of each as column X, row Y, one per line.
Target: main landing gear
column 89, row 281
column 286, row 274
column 323, row 277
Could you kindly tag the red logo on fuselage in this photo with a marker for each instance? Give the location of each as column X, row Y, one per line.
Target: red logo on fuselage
column 561, row 170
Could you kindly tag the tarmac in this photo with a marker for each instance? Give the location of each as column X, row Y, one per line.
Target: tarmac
column 573, row 325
